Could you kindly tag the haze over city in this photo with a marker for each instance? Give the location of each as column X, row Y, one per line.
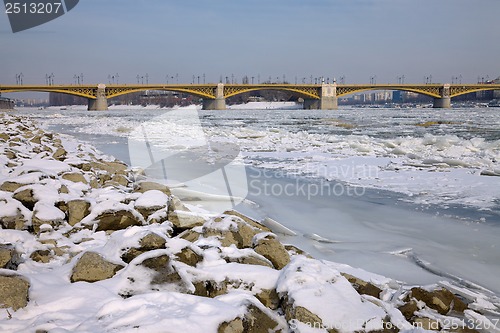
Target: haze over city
column 356, row 40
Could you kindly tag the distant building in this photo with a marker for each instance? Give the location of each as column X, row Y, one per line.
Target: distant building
column 397, row 96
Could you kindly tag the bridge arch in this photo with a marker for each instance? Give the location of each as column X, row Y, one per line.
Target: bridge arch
column 306, row 92
column 86, row 92
column 467, row 90
column 427, row 90
column 205, row 91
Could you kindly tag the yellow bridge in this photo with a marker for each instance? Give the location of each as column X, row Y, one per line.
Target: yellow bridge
column 316, row 96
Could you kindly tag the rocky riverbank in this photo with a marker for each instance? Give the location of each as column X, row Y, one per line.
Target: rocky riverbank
column 88, row 246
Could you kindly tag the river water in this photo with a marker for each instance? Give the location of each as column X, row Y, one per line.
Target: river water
column 398, row 192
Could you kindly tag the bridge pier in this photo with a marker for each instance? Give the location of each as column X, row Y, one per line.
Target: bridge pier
column 101, row 102
column 219, row 103
column 214, row 104
column 444, row 102
column 328, row 100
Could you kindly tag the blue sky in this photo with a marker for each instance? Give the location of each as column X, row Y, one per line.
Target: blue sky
column 352, row 38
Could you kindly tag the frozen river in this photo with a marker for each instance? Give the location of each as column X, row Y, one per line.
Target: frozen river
column 394, row 191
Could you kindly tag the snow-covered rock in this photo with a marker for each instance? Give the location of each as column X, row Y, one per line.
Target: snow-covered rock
column 13, row 291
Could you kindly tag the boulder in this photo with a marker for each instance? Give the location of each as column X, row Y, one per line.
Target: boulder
column 63, row 189
column 120, row 179
column 248, row 220
column 115, row 167
column 60, row 154
column 82, row 166
column 5, row 255
column 75, row 177
column 233, row 326
column 46, row 214
column 210, row 288
column 189, row 257
column 293, row 250
column 254, row 321
column 251, row 260
column 148, row 186
column 117, row 220
column 149, row 242
column 189, row 235
column 165, row 272
column 299, row 313
column 269, row 298
column 230, row 230
column 151, row 201
column 185, row 220
column 226, row 237
column 408, row 310
column 363, row 287
column 10, row 154
column 159, row 217
column 176, row 204
column 441, row 300
column 13, row 292
column 36, row 139
column 26, row 197
column 9, row 257
column 41, row 256
column 16, row 221
column 92, row 267
column 77, row 210
column 10, row 186
column 271, row 249
column 103, row 178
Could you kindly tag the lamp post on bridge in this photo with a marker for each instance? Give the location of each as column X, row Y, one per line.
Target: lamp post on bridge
column 140, row 78
column 112, row 78
column 342, row 79
column 373, row 79
column 19, row 78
